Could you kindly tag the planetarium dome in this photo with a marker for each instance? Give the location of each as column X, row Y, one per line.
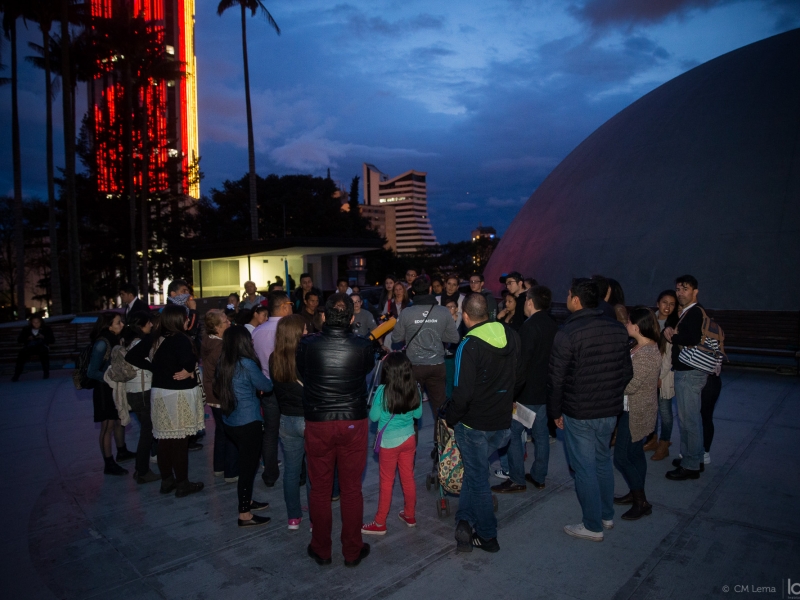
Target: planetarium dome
column 700, row 176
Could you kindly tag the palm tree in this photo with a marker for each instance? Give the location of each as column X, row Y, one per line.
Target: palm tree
column 45, row 12
column 68, row 110
column 253, row 6
column 12, row 10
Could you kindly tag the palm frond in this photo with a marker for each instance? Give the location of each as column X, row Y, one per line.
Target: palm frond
column 265, row 13
column 226, row 4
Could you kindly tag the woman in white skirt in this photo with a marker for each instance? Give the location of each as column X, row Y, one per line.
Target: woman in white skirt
column 176, row 397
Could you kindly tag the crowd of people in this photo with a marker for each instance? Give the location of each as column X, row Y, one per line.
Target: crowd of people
column 276, row 369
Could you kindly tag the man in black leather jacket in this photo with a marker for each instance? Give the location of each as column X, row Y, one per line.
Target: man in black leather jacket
column 333, row 365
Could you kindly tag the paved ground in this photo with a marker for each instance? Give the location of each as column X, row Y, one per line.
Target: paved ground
column 70, row 532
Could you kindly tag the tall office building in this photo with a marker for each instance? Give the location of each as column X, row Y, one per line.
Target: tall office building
column 171, row 104
column 397, row 207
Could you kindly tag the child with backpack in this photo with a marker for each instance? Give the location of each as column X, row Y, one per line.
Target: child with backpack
column 396, row 404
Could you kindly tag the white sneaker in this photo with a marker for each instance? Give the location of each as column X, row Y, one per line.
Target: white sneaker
column 707, row 458
column 219, row 473
column 154, row 460
column 500, row 474
column 231, row 479
column 579, row 531
column 608, row 524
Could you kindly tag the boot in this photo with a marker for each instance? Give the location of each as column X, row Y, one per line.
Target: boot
column 662, row 451
column 184, row 488
column 626, row 499
column 641, row 507
column 651, row 444
column 112, row 468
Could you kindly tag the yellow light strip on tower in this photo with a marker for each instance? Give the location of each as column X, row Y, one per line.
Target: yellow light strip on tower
column 190, row 82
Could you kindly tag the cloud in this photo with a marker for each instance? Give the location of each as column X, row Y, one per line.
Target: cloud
column 464, row 206
column 430, row 53
column 312, row 152
column 602, row 13
column 364, row 25
column 505, row 203
column 520, row 163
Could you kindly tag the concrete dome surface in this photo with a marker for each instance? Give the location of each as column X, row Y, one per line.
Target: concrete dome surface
column 700, row 176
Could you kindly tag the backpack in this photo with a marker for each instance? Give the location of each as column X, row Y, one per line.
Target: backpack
column 707, row 356
column 120, row 370
column 80, row 376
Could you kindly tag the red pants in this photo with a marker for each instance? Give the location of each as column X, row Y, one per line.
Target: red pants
column 402, row 459
column 341, row 445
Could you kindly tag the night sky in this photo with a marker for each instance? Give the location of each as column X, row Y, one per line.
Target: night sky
column 486, row 96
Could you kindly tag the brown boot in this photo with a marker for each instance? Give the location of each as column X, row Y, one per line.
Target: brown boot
column 651, row 444
column 662, row 451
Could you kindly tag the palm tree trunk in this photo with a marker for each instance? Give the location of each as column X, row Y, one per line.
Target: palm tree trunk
column 128, row 91
column 19, row 236
column 73, row 241
column 251, row 150
column 55, row 272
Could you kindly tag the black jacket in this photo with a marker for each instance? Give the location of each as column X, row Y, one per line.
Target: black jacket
column 537, row 335
column 44, row 336
column 590, row 365
column 488, row 370
column 174, row 354
column 334, row 365
column 139, row 305
column 689, row 333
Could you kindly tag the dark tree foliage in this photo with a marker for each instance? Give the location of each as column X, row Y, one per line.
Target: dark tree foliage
column 289, row 206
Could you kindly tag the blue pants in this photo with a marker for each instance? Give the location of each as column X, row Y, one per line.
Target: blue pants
column 541, row 445
column 629, row 455
column 292, row 433
column 226, row 454
column 475, row 502
column 665, row 412
column 590, row 456
column 688, row 388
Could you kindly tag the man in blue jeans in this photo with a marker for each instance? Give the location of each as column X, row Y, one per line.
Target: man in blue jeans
column 486, row 374
column 689, row 382
column 590, row 365
column 536, row 335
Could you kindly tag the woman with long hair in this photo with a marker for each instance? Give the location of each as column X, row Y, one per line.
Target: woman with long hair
column 639, row 416
column 667, row 316
column 509, row 309
column 104, row 336
column 386, row 294
column 289, row 393
column 399, row 300
column 176, row 399
column 226, row 455
column 137, row 391
column 396, row 404
column 236, row 385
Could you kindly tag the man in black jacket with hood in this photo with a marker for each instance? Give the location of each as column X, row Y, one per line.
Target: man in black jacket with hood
column 486, row 377
column 590, row 366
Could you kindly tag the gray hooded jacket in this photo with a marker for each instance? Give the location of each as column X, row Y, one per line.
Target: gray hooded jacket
column 427, row 347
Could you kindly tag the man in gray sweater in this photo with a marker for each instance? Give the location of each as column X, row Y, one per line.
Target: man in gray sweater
column 428, row 327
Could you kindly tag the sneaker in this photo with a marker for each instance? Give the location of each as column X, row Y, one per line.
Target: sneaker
column 335, row 498
column 410, row 521
column 707, row 458
column 608, row 524
column 148, row 477
column 255, row 505
column 294, row 524
column 373, row 529
column 553, row 440
column 529, row 478
column 579, row 531
column 126, row 454
column 219, row 473
column 490, row 545
column 231, row 479
column 254, row 521
column 154, row 460
column 500, row 474
column 463, row 537
column 509, row 487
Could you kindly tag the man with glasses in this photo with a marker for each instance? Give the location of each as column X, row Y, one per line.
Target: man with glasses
column 279, row 306
column 476, row 283
column 514, row 284
column 363, row 321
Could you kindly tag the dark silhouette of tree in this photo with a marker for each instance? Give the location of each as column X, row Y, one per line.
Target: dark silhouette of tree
column 12, row 11
column 353, row 200
column 254, row 6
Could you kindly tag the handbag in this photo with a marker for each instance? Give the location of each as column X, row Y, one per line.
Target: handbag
column 379, row 436
column 708, row 355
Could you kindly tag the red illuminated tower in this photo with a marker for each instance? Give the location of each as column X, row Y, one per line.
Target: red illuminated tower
column 171, row 104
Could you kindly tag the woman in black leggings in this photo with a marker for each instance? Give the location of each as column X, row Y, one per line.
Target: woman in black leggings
column 237, row 383
column 708, row 401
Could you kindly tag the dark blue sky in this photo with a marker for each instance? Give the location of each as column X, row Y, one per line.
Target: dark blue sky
column 486, row 96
